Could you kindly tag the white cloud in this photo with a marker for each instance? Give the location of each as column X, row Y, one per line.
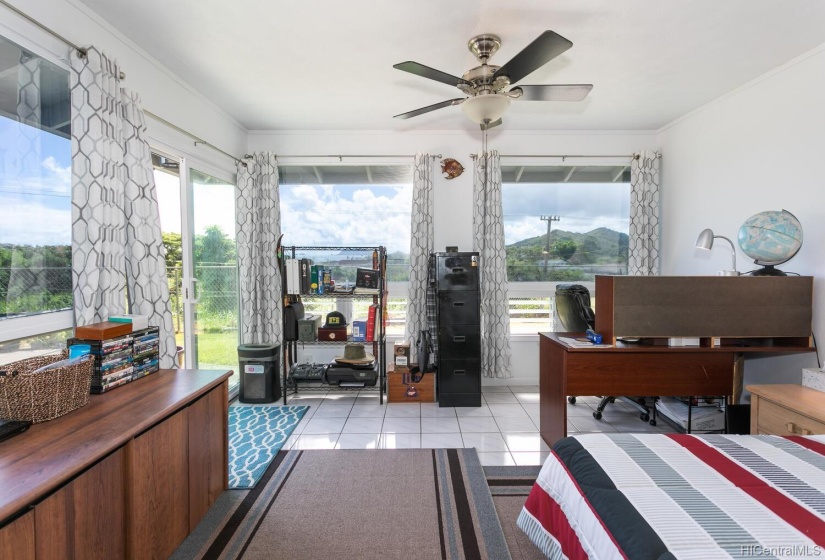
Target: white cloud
column 327, row 215
column 62, row 174
column 32, row 223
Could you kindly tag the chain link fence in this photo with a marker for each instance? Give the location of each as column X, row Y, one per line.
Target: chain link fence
column 216, row 291
column 34, row 289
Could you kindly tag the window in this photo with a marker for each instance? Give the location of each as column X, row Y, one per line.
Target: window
column 561, row 224
column 352, row 205
column 35, row 195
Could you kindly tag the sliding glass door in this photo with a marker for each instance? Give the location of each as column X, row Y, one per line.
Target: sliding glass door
column 198, row 225
column 215, row 273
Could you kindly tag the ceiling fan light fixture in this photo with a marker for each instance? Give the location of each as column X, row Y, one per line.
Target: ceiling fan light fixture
column 486, row 108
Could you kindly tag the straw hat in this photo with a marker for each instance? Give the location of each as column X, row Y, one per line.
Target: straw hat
column 355, row 354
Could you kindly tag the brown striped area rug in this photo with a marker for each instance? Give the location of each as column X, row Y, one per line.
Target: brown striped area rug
column 357, row 504
column 509, row 487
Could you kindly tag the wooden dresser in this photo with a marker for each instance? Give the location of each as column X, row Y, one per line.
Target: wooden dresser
column 129, row 475
column 785, row 410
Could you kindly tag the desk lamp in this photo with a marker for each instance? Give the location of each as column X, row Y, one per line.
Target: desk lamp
column 705, row 241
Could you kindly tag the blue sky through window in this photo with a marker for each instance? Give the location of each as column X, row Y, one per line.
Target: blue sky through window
column 347, row 215
column 35, row 189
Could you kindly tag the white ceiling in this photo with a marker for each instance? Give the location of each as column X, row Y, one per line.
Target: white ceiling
column 327, row 64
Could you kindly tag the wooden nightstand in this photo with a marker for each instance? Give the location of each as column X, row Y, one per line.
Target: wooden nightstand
column 785, row 410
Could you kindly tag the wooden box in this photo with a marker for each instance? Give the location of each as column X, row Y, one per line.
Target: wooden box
column 102, row 331
column 398, row 391
column 332, row 334
column 704, row 307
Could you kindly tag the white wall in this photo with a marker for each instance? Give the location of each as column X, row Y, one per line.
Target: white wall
column 758, row 148
column 161, row 91
column 453, row 198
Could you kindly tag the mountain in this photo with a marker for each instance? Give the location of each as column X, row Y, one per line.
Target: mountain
column 601, row 245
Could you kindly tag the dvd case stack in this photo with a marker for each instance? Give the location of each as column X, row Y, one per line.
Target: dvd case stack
column 145, row 354
column 122, row 359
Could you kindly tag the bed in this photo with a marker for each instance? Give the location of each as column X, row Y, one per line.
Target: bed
column 662, row 496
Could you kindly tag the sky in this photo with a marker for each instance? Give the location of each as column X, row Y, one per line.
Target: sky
column 347, row 215
column 214, row 204
column 581, row 207
column 311, row 215
column 35, row 186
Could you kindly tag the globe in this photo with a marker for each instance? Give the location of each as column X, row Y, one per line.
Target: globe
column 770, row 238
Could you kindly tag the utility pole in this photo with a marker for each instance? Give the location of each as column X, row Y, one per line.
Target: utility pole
column 549, row 220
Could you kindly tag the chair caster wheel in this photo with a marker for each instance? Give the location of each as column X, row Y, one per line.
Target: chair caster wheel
column 653, row 422
column 597, row 415
column 644, row 416
column 571, row 400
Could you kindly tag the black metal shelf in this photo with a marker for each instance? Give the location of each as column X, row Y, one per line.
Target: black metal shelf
column 337, row 342
column 342, row 295
column 291, row 348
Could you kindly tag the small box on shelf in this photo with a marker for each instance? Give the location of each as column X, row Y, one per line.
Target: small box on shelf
column 102, row 331
column 332, row 334
column 401, row 353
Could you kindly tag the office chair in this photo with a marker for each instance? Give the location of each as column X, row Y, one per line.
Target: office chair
column 573, row 313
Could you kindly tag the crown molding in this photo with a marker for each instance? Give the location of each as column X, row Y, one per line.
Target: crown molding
column 746, row 86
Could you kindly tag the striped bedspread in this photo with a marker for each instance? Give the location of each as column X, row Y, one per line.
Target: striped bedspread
column 660, row 496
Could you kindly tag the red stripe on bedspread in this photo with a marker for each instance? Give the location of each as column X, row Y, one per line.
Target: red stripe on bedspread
column 803, row 520
column 809, row 443
column 569, row 542
column 552, row 518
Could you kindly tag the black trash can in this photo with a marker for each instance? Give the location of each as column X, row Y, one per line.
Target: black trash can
column 260, row 381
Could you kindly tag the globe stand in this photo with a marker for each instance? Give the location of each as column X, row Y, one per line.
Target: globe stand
column 767, row 270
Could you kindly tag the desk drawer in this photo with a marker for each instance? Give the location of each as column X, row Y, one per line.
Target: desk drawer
column 776, row 419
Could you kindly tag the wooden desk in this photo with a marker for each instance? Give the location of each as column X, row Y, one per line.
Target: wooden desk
column 637, row 369
column 126, row 476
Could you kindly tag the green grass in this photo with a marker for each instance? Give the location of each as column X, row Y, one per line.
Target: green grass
column 216, row 349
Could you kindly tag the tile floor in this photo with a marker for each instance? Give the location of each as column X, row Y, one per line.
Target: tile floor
column 504, row 430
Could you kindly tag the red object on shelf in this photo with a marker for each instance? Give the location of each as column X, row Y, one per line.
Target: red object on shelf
column 371, row 323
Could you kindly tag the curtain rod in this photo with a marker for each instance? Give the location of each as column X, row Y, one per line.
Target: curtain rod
column 197, row 139
column 80, row 50
column 342, row 156
column 565, row 156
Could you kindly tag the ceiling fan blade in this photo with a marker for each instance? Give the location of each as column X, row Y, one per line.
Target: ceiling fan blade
column 431, row 73
column 566, row 92
column 429, row 108
column 542, row 50
column 488, row 126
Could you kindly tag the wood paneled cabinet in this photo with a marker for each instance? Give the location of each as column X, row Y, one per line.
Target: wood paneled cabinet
column 141, row 495
column 17, row 538
column 85, row 518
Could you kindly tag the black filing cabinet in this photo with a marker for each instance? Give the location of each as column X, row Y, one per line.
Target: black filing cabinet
column 455, row 276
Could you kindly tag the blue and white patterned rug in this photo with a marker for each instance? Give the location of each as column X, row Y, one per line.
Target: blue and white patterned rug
column 256, row 434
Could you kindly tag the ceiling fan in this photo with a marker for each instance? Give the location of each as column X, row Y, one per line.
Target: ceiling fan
column 486, row 86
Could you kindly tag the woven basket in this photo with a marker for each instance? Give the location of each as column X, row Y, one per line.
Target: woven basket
column 37, row 397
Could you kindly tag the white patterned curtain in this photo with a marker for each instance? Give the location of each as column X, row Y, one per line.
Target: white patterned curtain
column 146, row 279
column 421, row 245
column 98, row 221
column 488, row 240
column 257, row 229
column 643, row 252
column 26, row 275
column 116, row 234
